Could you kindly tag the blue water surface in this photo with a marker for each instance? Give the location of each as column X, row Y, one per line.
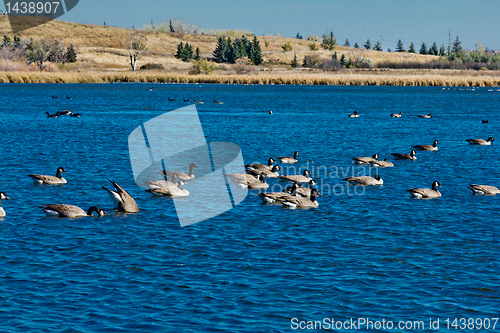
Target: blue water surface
column 364, row 252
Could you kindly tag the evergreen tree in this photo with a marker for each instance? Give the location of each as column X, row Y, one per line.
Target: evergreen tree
column 423, row 49
column 442, row 50
column 368, row 45
column 70, row 55
column 241, row 48
column 400, row 46
column 257, row 52
column 298, row 36
column 411, row 48
column 295, row 62
column 6, row 41
column 457, row 48
column 230, row 52
column 377, row 46
column 356, row 46
column 306, row 62
column 329, row 42
column 188, row 53
column 334, row 56
column 349, row 63
column 342, row 60
column 434, row 49
column 171, row 26
column 220, row 50
column 347, row 42
column 180, row 51
column 197, row 54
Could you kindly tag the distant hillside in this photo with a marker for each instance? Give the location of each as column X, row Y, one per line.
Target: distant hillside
column 103, row 47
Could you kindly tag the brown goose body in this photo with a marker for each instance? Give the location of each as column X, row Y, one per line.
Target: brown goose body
column 432, row 147
column 365, row 160
column 484, row 189
column 49, row 180
column 480, row 142
column 382, row 164
column 123, row 201
column 426, row 193
column 70, row 211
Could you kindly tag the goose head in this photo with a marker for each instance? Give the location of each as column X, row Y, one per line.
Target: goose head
column 271, row 161
column 314, row 193
column 312, row 182
column 180, row 183
column 306, row 173
column 435, row 143
column 276, row 168
column 262, row 177
column 193, row 166
column 435, row 184
column 490, row 139
column 377, row 177
column 413, row 153
column 375, row 156
column 59, row 171
column 97, row 210
column 295, row 154
column 3, row 196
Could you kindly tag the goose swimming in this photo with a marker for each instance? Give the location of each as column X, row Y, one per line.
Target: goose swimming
column 410, row 156
column 289, row 160
column 181, row 175
column 424, row 193
column 425, row 115
column 270, row 174
column 122, row 200
column 355, row 114
column 382, row 164
column 480, row 142
column 365, row 160
column 432, row 147
column 170, row 189
column 262, row 167
column 300, row 202
column 304, row 178
column 365, row 180
column 483, row 189
column 3, row 196
column 50, row 180
column 397, row 115
column 70, row 211
column 275, row 197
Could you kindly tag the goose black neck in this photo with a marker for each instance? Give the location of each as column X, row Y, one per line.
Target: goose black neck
column 92, row 210
column 58, row 174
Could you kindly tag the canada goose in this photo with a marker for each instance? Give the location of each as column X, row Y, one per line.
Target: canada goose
column 270, row 112
column 261, row 167
column 3, row 196
column 122, row 200
column 171, row 100
column 428, row 147
column 54, row 97
column 256, row 183
column 365, row 160
column 365, row 180
column 218, row 102
column 70, row 211
column 423, row 193
column 355, row 114
column 300, row 202
column 181, row 175
column 197, row 102
column 186, row 100
column 52, row 115
column 306, row 191
column 382, row 164
column 150, row 89
column 483, row 189
column 65, row 113
column 270, row 174
column 76, row 115
column 67, row 97
column 274, row 197
column 238, row 178
column 480, row 142
column 50, row 180
column 425, row 115
column 298, row 178
column 397, row 115
column 410, row 156
column 485, row 121
column 168, row 189
column 289, row 160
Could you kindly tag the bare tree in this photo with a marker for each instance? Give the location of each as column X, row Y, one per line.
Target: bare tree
column 138, row 45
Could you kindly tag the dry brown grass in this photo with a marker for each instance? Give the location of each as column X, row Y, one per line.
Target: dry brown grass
column 397, row 79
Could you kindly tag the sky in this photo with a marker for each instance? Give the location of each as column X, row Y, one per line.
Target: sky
column 414, row 21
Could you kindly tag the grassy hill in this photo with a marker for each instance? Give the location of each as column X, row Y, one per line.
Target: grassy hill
column 104, row 47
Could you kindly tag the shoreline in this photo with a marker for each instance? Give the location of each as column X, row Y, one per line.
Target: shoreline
column 279, row 79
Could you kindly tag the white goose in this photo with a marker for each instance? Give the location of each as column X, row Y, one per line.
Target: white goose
column 50, row 180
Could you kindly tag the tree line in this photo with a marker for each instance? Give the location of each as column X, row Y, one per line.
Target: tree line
column 37, row 51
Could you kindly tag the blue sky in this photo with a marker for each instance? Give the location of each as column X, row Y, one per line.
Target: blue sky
column 412, row 21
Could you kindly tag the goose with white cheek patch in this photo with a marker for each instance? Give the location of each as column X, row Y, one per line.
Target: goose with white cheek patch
column 3, row 196
column 50, row 180
column 365, row 180
column 304, row 178
column 289, row 160
column 365, row 160
column 481, row 142
column 432, row 147
column 71, row 211
column 426, row 193
column 300, row 202
column 483, row 189
column 411, row 156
